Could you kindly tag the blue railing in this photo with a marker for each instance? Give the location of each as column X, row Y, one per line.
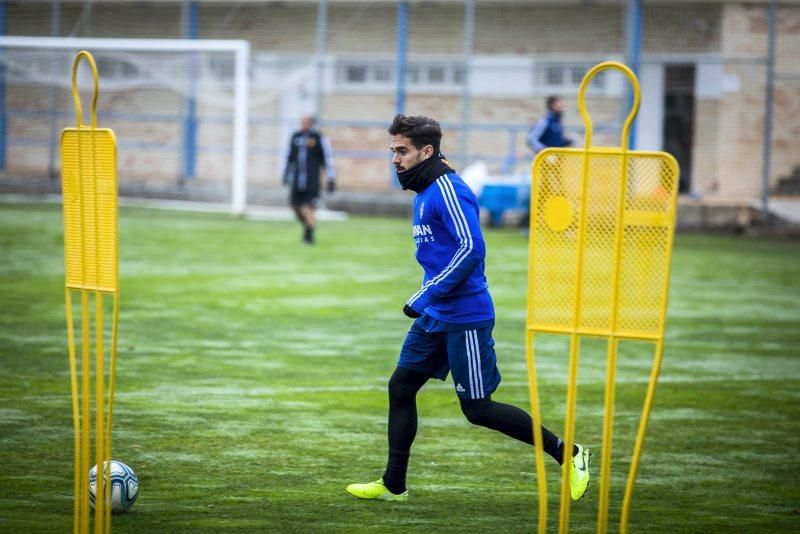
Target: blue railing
column 506, row 162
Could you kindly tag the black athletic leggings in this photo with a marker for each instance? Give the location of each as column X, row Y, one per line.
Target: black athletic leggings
column 510, row 420
column 403, row 387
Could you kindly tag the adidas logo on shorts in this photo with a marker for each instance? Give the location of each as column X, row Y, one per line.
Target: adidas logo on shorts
column 459, row 388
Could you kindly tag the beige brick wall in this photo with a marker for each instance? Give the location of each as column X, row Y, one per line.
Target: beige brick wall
column 786, row 124
column 503, row 28
column 689, row 27
column 739, row 135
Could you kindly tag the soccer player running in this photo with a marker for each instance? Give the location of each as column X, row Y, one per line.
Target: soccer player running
column 453, row 315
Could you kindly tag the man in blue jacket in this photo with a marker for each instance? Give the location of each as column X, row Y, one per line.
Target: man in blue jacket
column 549, row 131
column 453, row 314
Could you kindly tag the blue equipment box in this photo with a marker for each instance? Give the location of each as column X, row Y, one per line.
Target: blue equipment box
column 498, row 198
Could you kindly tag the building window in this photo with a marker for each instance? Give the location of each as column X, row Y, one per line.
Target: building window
column 356, row 74
column 577, row 74
column 459, row 75
column 412, row 74
column 554, row 75
column 436, row 74
column 383, row 73
column 567, row 77
column 520, row 76
column 371, row 74
column 440, row 75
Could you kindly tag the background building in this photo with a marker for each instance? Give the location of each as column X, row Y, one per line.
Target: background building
column 482, row 67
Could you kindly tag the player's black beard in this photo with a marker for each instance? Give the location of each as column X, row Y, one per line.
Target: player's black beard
column 419, row 177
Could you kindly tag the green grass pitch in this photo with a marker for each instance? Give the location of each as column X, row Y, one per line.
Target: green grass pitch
column 252, row 374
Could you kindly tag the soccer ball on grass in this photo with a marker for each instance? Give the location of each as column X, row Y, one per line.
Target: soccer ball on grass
column 124, row 487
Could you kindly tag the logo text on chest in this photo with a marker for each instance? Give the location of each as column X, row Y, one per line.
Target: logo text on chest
column 422, row 233
column 422, row 230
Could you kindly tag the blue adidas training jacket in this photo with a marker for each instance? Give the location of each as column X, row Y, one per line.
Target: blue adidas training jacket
column 451, row 250
column 547, row 132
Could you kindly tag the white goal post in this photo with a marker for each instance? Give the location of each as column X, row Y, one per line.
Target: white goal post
column 240, row 49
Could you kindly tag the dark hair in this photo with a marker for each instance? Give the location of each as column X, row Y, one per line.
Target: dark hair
column 420, row 130
column 551, row 100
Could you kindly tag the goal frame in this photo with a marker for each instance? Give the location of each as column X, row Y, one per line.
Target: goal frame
column 239, row 48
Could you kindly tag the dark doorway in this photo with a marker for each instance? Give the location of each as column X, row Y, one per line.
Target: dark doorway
column 679, row 119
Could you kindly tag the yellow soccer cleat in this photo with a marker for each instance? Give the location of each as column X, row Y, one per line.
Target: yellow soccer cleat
column 579, row 472
column 375, row 490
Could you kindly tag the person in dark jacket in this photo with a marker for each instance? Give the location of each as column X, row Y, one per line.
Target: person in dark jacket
column 549, row 131
column 309, row 151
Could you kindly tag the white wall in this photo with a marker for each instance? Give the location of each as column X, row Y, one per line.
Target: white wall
column 650, row 122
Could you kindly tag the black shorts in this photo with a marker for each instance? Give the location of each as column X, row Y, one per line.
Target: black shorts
column 467, row 353
column 303, row 198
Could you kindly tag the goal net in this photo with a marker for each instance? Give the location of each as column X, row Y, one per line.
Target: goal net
column 179, row 109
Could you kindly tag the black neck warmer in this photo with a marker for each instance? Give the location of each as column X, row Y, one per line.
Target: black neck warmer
column 424, row 174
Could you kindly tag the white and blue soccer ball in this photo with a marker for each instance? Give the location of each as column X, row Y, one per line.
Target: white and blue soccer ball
column 124, row 487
